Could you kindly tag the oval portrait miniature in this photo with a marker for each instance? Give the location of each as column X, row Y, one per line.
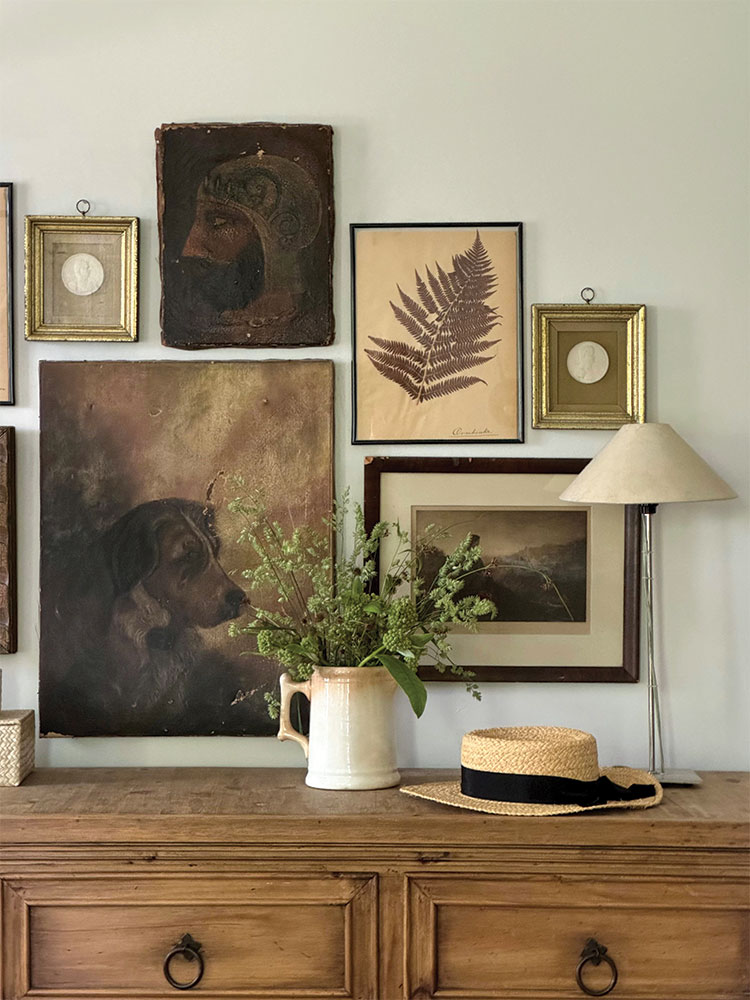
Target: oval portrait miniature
column 587, row 362
column 82, row 274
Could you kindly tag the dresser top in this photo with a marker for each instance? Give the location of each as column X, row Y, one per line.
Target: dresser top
column 258, row 805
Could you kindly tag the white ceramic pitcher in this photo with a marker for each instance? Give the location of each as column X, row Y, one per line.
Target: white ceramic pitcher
column 352, row 742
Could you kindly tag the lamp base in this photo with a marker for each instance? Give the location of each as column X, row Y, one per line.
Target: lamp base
column 673, row 776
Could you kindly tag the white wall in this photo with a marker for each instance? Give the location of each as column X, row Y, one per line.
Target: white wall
column 616, row 131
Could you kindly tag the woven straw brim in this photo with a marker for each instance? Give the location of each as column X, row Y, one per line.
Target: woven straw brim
column 449, row 794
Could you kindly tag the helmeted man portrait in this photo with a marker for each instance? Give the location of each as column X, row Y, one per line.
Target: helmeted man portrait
column 246, row 223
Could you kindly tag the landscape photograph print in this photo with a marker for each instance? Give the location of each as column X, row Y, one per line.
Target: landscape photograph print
column 437, row 332
column 534, row 561
column 246, row 220
column 142, row 565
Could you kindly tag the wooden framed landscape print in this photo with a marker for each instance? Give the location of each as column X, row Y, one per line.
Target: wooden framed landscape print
column 81, row 278
column 8, row 596
column 6, row 294
column 246, row 220
column 564, row 577
column 141, row 571
column 588, row 365
column 437, row 325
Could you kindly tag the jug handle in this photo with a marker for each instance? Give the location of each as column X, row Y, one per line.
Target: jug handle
column 286, row 729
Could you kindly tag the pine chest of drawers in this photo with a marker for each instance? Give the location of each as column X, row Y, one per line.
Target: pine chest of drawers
column 116, row 881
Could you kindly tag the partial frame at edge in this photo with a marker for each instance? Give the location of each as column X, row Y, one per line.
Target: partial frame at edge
column 8, row 592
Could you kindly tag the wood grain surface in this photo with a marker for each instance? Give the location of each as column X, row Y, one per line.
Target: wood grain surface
column 263, row 805
column 296, row 892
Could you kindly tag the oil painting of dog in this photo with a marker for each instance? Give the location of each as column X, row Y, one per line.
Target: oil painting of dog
column 141, row 571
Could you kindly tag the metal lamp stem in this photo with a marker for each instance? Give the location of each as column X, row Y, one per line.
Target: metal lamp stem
column 655, row 743
column 654, row 714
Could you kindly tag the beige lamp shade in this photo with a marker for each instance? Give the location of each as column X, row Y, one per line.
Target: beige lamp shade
column 647, row 464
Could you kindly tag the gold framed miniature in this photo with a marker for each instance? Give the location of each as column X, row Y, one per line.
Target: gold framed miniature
column 588, row 366
column 81, row 278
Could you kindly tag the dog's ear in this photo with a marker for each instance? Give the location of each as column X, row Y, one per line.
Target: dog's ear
column 131, row 548
column 208, row 517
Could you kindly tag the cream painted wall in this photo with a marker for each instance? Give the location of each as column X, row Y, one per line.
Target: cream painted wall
column 616, row 130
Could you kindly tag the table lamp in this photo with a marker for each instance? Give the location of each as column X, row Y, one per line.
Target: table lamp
column 648, row 464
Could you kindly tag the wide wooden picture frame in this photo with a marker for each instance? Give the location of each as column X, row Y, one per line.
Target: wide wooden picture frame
column 588, row 366
column 8, row 593
column 535, row 547
column 81, row 278
column 437, row 323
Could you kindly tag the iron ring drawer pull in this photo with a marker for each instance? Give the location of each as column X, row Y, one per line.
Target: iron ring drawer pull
column 596, row 954
column 191, row 949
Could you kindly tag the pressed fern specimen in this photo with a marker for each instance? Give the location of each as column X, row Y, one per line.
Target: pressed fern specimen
column 450, row 328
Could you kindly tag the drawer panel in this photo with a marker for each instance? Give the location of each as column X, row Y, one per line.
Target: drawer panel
column 496, row 938
column 311, row 936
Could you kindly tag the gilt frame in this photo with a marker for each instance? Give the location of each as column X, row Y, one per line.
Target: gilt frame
column 612, row 394
column 57, row 309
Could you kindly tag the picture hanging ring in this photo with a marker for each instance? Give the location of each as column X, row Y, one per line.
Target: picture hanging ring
column 587, row 294
column 85, row 209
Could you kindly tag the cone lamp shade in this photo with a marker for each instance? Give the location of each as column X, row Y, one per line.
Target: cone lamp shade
column 647, row 463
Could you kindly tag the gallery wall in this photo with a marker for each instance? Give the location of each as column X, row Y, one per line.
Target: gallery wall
column 615, row 130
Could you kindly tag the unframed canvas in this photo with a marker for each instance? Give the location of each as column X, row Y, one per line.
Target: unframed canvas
column 246, row 222
column 141, row 570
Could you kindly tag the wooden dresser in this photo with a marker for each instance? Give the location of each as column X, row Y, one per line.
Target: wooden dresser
column 290, row 892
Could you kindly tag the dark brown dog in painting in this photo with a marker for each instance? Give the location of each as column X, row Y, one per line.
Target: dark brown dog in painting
column 129, row 658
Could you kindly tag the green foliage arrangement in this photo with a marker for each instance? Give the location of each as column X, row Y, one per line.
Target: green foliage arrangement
column 327, row 612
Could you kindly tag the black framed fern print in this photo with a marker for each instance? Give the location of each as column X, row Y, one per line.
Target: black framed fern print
column 437, row 314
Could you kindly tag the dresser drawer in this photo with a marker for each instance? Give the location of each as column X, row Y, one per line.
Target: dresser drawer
column 503, row 938
column 260, row 936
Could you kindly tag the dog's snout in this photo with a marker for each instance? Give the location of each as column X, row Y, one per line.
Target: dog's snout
column 234, row 599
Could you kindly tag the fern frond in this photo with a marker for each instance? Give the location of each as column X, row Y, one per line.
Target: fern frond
column 460, row 350
column 405, row 365
column 459, row 267
column 422, row 336
column 452, row 366
column 437, row 289
column 413, row 308
column 448, row 281
column 398, row 347
column 424, row 293
column 470, row 325
column 450, row 385
column 395, row 374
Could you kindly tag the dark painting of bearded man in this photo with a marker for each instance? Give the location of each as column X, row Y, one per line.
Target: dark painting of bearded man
column 246, row 231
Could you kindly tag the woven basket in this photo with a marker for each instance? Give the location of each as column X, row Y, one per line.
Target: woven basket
column 16, row 746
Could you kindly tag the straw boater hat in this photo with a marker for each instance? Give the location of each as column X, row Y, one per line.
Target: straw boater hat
column 538, row 771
